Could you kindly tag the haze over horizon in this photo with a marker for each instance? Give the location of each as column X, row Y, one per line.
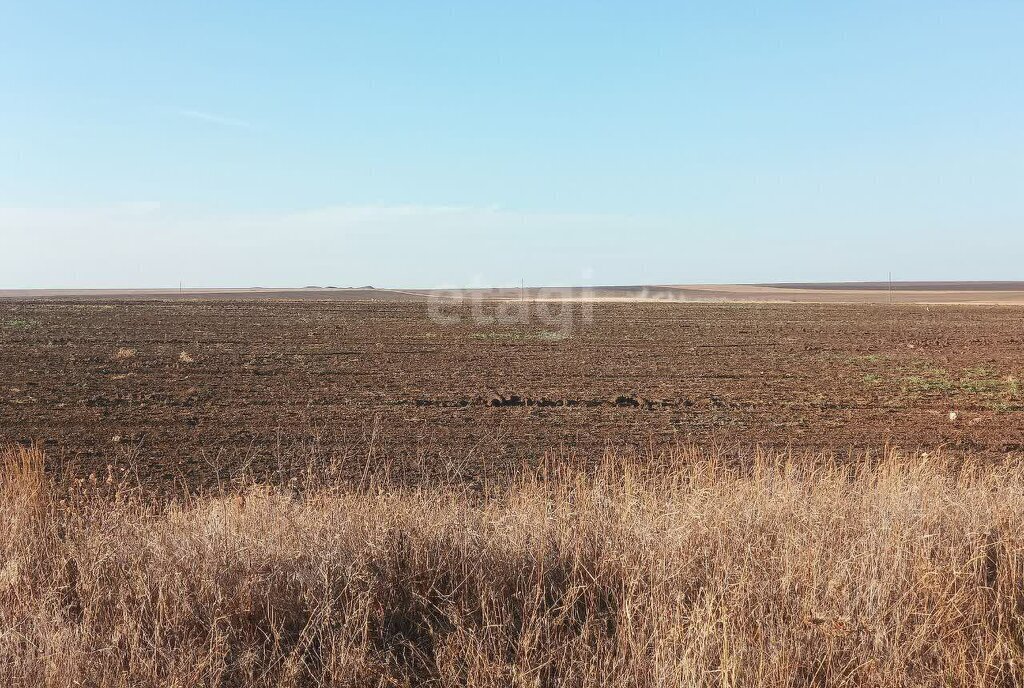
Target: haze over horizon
column 403, row 145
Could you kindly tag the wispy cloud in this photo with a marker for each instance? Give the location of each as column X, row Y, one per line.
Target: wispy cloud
column 215, row 118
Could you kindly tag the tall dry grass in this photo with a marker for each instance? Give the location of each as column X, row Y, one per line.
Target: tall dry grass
column 772, row 572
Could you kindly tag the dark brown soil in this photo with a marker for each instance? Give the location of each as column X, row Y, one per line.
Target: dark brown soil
column 205, row 389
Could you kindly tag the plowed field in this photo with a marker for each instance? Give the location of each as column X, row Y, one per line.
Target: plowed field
column 195, row 391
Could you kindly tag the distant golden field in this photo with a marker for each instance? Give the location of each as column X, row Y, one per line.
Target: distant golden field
column 769, row 570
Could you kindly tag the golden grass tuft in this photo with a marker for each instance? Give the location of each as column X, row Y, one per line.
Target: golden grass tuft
column 903, row 571
column 23, row 482
column 124, row 354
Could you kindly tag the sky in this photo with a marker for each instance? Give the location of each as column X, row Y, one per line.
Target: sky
column 433, row 144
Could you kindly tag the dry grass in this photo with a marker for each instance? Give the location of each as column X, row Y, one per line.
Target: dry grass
column 124, row 354
column 893, row 573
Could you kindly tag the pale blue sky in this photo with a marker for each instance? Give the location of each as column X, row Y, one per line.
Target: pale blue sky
column 430, row 144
